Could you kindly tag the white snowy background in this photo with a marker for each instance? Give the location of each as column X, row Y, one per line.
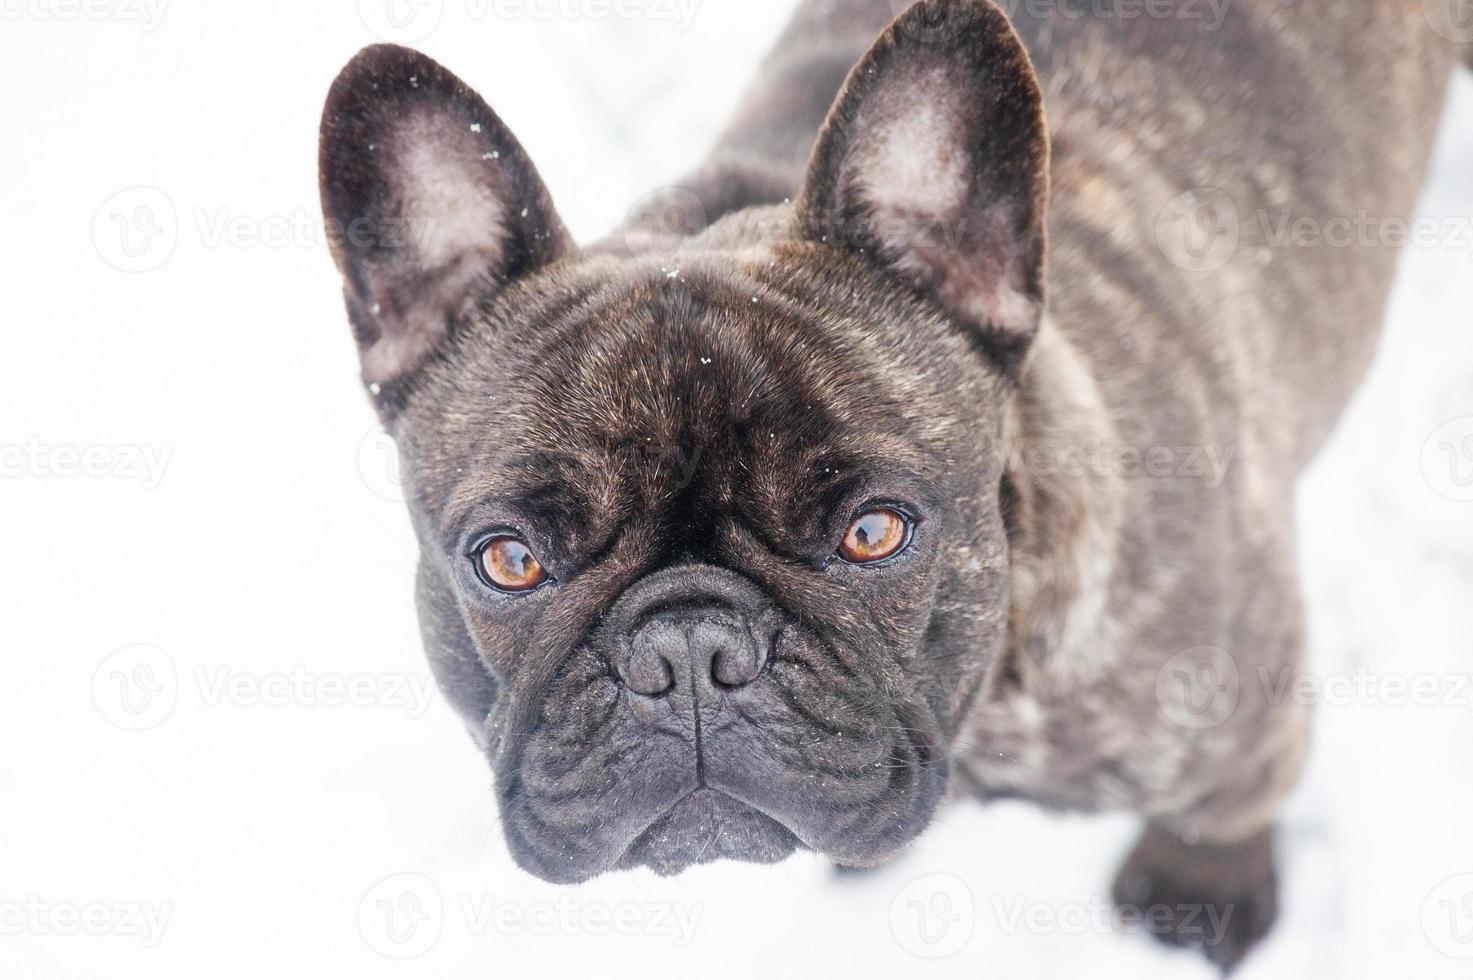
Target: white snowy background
column 219, row 755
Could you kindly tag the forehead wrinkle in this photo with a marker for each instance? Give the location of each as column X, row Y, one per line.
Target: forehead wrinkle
column 509, row 477
column 598, row 376
column 899, row 351
column 851, row 399
column 621, row 365
column 832, row 386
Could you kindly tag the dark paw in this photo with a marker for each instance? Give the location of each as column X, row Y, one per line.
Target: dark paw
column 1221, row 899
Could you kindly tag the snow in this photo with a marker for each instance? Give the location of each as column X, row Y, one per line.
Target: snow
column 198, row 507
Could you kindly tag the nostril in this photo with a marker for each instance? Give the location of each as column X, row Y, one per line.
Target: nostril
column 647, row 669
column 732, row 656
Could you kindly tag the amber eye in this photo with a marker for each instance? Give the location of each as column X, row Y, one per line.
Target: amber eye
column 875, row 535
column 506, row 563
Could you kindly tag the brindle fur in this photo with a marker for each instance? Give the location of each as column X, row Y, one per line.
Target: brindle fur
column 649, row 406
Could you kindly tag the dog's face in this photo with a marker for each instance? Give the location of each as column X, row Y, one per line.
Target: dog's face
column 712, row 552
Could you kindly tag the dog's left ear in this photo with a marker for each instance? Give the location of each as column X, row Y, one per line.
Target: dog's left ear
column 934, row 162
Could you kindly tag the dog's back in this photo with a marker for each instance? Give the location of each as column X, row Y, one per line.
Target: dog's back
column 1229, row 183
column 1243, row 182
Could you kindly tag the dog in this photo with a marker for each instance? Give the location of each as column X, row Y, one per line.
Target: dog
column 796, row 506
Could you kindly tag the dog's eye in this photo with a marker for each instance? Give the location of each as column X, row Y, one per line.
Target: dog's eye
column 506, row 563
column 874, row 536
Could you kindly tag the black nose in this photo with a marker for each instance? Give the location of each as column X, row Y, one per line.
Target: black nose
column 691, row 648
column 692, row 629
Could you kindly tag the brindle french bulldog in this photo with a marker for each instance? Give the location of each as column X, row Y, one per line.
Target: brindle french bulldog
column 792, row 506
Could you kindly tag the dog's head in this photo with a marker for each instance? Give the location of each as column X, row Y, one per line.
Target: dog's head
column 712, row 547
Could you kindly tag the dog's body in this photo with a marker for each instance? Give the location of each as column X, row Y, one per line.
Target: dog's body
column 1238, row 362
column 1107, row 486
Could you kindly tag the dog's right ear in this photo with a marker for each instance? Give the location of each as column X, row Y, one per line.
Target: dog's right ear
column 431, row 205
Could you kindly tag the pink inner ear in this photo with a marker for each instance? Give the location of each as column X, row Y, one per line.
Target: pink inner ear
column 449, row 194
column 914, row 167
column 451, row 234
column 912, row 159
